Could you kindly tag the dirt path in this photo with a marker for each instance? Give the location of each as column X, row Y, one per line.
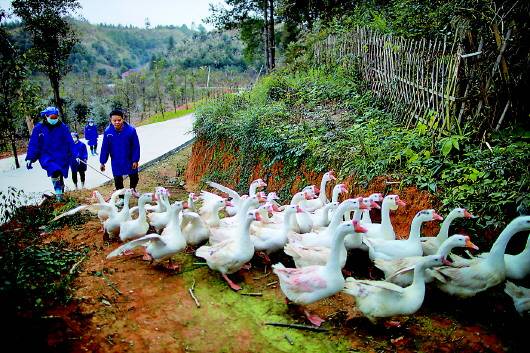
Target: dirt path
column 128, row 305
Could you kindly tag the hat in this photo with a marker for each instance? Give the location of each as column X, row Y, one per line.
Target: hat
column 49, row 111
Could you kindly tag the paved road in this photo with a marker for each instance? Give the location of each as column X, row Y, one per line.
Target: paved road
column 155, row 140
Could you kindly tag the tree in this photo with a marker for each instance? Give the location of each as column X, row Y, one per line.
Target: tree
column 250, row 17
column 53, row 37
column 170, row 44
column 15, row 91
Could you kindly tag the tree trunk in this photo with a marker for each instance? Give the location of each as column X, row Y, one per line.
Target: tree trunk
column 266, row 34
column 54, row 81
column 29, row 124
column 272, row 43
column 12, row 138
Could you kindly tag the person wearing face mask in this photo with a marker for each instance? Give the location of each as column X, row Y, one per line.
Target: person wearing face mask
column 121, row 144
column 91, row 135
column 52, row 145
column 79, row 160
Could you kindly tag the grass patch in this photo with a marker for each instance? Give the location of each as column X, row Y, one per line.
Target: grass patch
column 158, row 118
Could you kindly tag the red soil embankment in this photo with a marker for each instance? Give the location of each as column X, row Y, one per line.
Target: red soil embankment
column 207, row 158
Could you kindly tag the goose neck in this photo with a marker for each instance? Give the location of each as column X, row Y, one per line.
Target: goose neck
column 443, row 234
column 415, row 228
column 338, row 242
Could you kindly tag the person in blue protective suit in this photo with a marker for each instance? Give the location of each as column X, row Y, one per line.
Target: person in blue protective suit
column 120, row 142
column 51, row 144
column 91, row 135
column 79, row 160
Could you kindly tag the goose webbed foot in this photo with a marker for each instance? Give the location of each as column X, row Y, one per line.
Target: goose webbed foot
column 128, row 252
column 189, row 250
column 246, row 266
column 392, row 324
column 172, row 266
column 314, row 319
column 263, row 255
column 147, row 257
column 230, row 283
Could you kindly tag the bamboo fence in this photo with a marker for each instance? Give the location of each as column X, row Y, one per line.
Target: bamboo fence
column 417, row 79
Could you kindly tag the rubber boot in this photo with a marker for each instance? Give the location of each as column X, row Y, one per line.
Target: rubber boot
column 58, row 187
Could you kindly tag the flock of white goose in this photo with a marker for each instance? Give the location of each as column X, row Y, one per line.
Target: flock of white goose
column 317, row 233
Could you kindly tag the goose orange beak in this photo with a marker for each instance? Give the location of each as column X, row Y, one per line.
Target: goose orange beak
column 228, row 203
column 298, row 209
column 358, row 228
column 400, row 202
column 468, row 215
column 470, row 245
column 375, row 205
column 437, row 217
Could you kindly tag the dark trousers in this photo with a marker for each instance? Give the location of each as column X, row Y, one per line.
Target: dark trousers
column 133, row 178
column 93, row 148
column 81, row 174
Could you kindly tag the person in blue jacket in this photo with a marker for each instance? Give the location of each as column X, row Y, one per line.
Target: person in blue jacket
column 51, row 144
column 79, row 160
column 120, row 142
column 91, row 135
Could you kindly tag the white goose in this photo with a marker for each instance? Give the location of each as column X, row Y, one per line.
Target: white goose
column 210, row 208
column 159, row 247
column 138, row 227
column 400, row 271
column 520, row 296
column 517, row 266
column 230, row 255
column 194, row 228
column 160, row 219
column 104, row 209
column 315, row 204
column 112, row 224
column 308, row 284
column 324, row 236
column 236, row 198
column 375, row 197
column 104, row 214
column 431, row 244
column 376, row 299
column 384, row 230
column 397, row 249
column 337, row 190
column 304, row 256
column 483, row 273
column 321, row 217
column 271, row 239
column 302, row 223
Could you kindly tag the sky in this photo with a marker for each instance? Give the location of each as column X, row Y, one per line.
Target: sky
column 127, row 12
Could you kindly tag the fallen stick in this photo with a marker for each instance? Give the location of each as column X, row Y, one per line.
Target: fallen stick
column 110, row 284
column 263, row 276
column 200, row 263
column 193, row 295
column 77, row 264
column 297, row 326
column 289, row 339
column 272, row 283
column 253, row 294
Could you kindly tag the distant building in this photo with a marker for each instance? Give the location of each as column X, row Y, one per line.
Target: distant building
column 128, row 72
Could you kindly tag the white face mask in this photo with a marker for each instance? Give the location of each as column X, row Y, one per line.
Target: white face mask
column 52, row 121
column 91, row 124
